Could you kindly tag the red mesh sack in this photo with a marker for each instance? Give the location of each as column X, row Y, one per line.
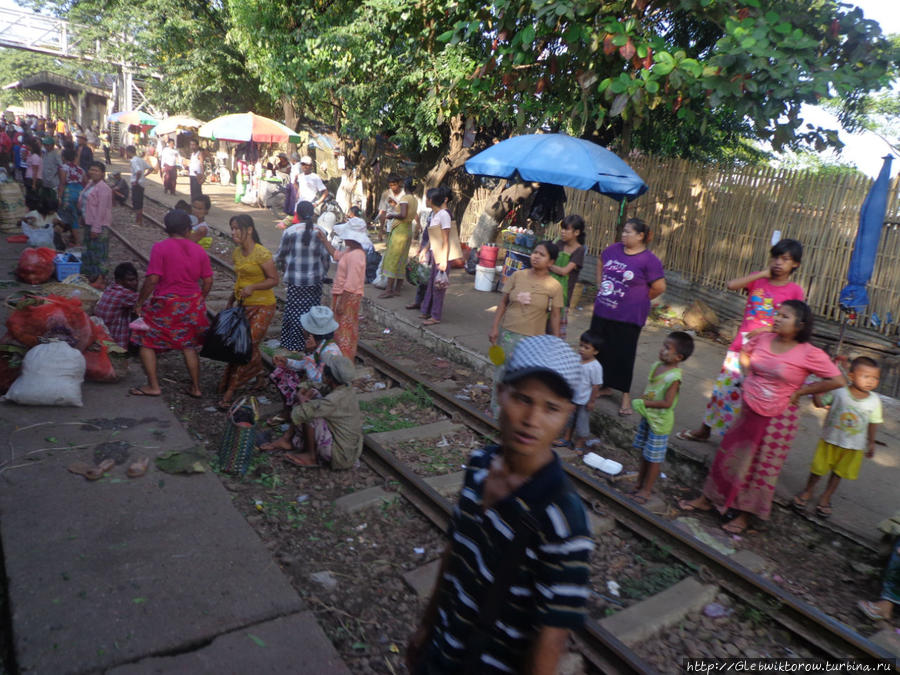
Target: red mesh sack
column 36, row 265
column 52, row 316
column 99, row 367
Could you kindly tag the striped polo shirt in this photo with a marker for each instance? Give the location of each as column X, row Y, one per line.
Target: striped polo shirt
column 550, row 588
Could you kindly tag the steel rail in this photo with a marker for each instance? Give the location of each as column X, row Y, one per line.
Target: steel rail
column 598, row 645
column 813, row 625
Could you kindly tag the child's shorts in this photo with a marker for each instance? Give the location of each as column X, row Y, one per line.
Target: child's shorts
column 842, row 461
column 652, row 445
column 581, row 422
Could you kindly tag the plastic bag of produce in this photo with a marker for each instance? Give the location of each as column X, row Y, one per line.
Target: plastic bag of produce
column 36, row 265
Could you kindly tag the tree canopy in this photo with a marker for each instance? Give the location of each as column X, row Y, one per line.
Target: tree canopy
column 177, row 46
column 676, row 76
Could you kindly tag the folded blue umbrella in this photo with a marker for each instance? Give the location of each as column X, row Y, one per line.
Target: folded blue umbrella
column 871, row 220
column 559, row 159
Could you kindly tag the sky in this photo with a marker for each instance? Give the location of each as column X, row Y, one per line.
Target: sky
column 862, row 150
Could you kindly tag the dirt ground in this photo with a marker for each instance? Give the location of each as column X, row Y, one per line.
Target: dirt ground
column 349, row 567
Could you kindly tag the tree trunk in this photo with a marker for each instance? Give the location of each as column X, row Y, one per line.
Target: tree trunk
column 290, row 115
column 455, row 156
column 489, row 221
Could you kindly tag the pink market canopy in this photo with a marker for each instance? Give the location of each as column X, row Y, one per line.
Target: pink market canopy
column 249, row 126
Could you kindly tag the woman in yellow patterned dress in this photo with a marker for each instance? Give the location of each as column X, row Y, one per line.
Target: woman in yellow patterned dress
column 393, row 266
column 256, row 277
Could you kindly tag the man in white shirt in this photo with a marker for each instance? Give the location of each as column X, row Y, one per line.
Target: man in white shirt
column 169, row 161
column 195, row 170
column 310, row 188
column 139, row 171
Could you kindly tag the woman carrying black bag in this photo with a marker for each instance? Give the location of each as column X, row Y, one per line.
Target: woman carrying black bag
column 256, row 277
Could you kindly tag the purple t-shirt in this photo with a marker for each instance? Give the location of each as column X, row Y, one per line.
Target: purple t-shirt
column 180, row 264
column 623, row 293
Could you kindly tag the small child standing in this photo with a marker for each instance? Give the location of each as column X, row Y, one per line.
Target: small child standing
column 849, row 428
column 657, row 410
column 586, row 394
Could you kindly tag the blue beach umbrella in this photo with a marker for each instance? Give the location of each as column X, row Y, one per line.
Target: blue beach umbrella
column 871, row 219
column 559, row 159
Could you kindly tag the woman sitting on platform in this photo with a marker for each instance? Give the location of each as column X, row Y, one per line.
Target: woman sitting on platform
column 292, row 374
column 327, row 425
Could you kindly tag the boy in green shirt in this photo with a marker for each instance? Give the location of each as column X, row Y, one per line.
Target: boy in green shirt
column 657, row 410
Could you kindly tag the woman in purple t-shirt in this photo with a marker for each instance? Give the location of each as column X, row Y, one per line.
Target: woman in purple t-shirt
column 629, row 277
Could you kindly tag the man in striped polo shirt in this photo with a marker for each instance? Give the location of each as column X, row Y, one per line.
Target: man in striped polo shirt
column 514, row 578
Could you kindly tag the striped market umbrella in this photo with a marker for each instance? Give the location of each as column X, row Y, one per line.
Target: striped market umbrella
column 249, row 126
column 130, row 117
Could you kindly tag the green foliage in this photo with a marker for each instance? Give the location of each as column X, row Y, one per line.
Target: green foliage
column 580, row 65
column 178, row 46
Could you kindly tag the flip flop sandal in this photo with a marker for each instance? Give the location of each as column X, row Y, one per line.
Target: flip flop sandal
column 688, row 435
column 730, row 528
column 80, row 468
column 685, row 506
column 137, row 391
column 638, row 499
column 90, row 471
column 870, row 610
column 563, row 444
column 799, row 503
column 823, row 512
column 292, row 458
column 625, row 412
column 138, row 468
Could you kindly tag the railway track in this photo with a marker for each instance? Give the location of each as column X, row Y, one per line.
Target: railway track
column 825, row 635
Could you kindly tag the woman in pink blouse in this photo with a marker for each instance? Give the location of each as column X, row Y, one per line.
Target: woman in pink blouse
column 746, row 467
column 95, row 205
column 349, row 285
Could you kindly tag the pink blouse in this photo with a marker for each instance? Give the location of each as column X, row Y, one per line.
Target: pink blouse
column 96, row 203
column 772, row 378
column 351, row 272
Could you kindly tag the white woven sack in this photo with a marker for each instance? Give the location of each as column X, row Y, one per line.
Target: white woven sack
column 52, row 374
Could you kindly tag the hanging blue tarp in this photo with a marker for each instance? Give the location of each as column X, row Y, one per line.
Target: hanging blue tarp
column 871, row 220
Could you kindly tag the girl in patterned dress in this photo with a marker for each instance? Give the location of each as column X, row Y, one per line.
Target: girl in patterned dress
column 766, row 290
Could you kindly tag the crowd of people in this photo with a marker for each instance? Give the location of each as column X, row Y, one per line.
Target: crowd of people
column 544, row 390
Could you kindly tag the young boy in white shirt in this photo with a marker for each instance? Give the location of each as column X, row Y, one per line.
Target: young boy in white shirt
column 849, row 430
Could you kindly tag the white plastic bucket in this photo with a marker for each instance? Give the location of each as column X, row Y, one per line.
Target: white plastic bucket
column 484, row 278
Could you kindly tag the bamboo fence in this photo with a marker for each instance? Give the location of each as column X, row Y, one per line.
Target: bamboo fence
column 713, row 223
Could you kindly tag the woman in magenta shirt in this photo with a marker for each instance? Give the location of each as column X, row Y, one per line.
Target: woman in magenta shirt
column 172, row 303
column 628, row 278
column 746, row 467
